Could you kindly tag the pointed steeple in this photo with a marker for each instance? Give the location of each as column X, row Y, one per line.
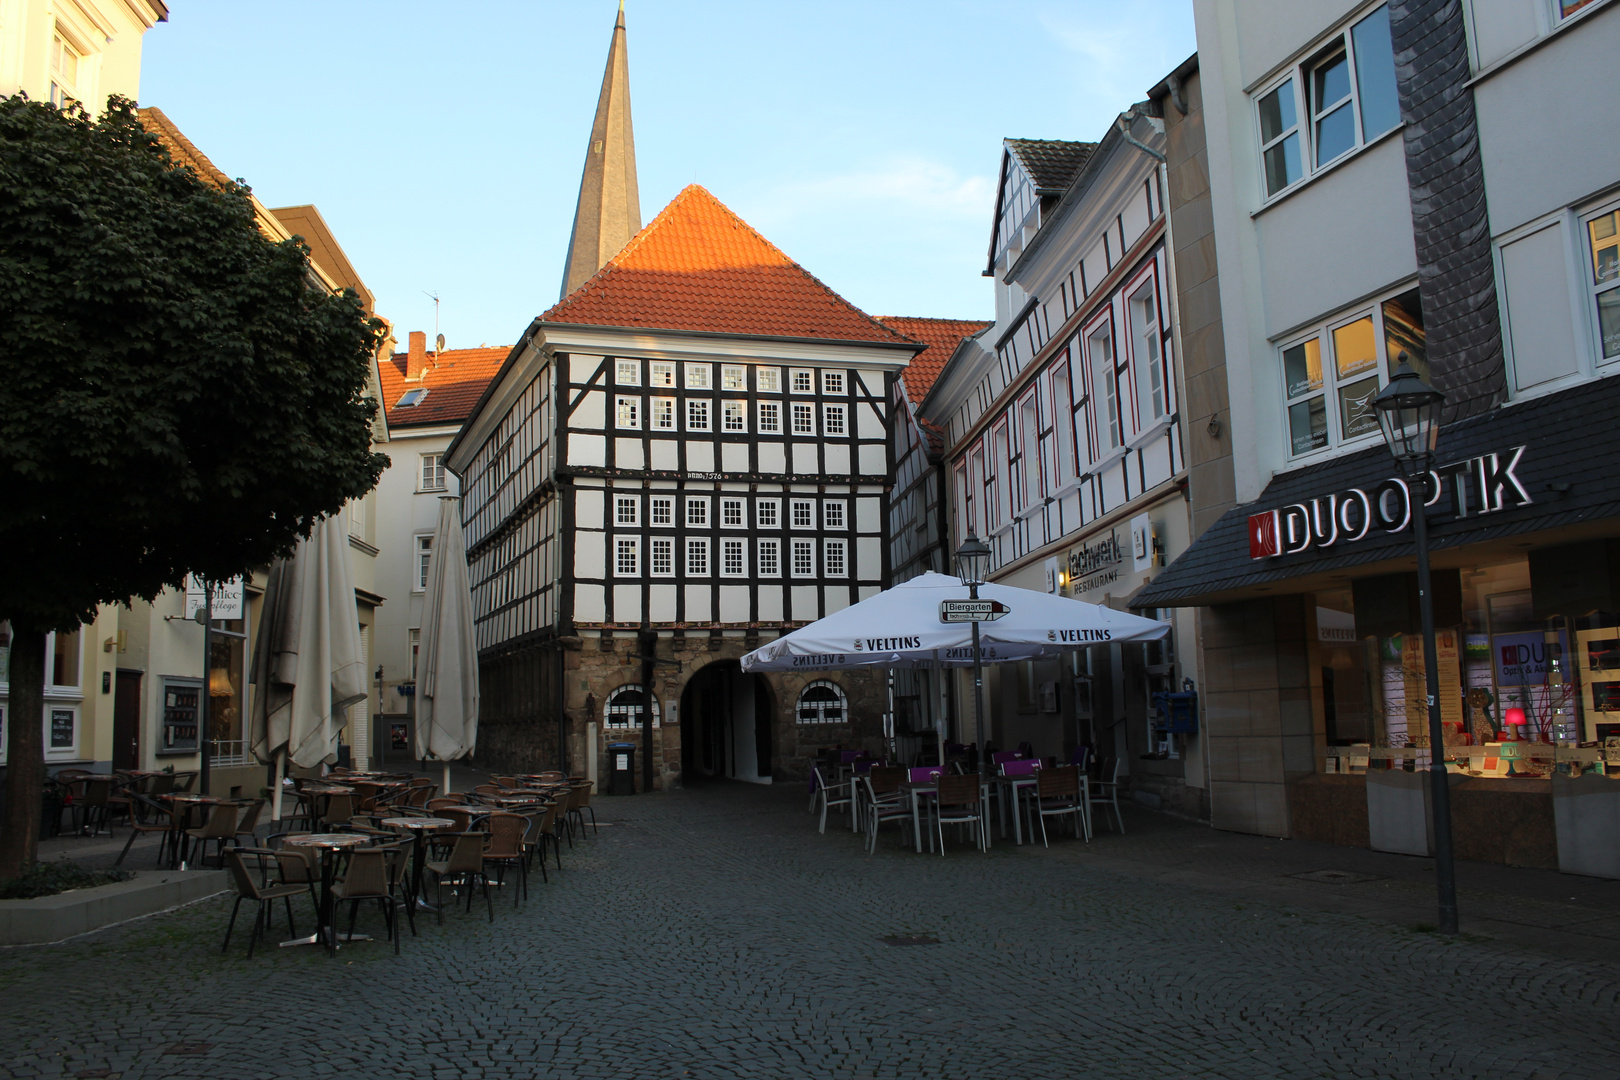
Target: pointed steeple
column 609, row 210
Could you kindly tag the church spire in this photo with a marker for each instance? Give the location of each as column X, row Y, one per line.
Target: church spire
column 609, row 210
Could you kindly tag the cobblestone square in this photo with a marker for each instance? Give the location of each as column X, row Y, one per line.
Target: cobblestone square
column 713, row 933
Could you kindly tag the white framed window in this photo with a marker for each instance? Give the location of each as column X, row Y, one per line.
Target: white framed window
column 627, row 412
column 731, row 513
column 628, row 372
column 662, row 510
column 625, row 705
column 64, row 72
column 733, row 563
column 768, row 513
column 663, row 414
column 432, row 472
column 697, row 557
column 1564, row 9
column 1603, row 239
column 832, row 514
column 627, row 556
column 832, row 419
column 626, row 510
column 733, row 377
column 998, row 484
column 733, row 416
column 697, row 414
column 804, row 558
column 804, row 419
column 1105, row 372
column 413, row 642
column 1332, row 372
column 1146, row 344
column 822, row 702
column 1345, row 95
column 661, row 557
column 832, row 383
column 768, row 380
column 1029, row 448
column 770, row 417
column 802, row 380
column 770, row 558
column 660, row 373
column 424, row 560
column 804, row 513
column 697, row 376
column 697, row 511
column 834, row 555
column 1062, row 422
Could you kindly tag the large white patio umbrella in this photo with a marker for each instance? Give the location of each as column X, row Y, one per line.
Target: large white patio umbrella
column 900, row 627
column 447, row 663
column 306, row 658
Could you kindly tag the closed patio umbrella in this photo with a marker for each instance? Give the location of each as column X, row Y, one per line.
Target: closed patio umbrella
column 447, row 663
column 306, row 658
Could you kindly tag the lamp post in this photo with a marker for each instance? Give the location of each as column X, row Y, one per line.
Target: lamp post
column 972, row 566
column 1409, row 414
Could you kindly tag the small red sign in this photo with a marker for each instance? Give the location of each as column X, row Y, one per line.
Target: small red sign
column 1264, row 530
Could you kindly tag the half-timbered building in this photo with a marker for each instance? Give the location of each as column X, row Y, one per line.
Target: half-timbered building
column 1064, row 448
column 687, row 455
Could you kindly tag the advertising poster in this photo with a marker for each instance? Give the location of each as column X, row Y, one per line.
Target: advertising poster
column 1449, row 661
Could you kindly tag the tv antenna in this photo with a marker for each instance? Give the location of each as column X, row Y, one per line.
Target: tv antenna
column 438, row 338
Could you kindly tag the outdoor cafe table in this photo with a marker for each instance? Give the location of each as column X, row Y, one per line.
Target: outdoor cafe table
column 921, row 789
column 419, row 827
column 328, row 844
column 182, row 821
column 1011, row 784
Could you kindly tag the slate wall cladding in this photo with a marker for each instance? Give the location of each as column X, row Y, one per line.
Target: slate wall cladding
column 1450, row 224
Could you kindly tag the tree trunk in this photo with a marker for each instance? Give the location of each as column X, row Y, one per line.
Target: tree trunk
column 25, row 755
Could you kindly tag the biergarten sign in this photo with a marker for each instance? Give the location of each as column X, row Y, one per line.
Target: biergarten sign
column 1480, row 485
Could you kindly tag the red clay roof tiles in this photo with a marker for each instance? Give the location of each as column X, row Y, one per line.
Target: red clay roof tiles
column 698, row 266
column 454, row 379
column 941, row 336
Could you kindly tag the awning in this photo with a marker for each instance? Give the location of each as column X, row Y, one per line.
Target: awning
column 1546, row 466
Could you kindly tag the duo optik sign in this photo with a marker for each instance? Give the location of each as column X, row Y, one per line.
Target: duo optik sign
column 1479, row 485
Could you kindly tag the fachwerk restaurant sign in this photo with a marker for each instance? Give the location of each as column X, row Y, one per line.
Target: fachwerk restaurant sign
column 1479, row 485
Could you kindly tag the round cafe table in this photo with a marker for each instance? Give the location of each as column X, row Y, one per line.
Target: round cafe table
column 329, row 844
column 419, row 827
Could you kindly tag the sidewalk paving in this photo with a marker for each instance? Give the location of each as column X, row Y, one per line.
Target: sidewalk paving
column 1558, row 914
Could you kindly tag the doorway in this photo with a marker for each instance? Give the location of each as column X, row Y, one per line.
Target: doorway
column 126, row 749
column 726, row 725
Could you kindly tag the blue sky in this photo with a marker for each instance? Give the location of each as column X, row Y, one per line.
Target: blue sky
column 443, row 143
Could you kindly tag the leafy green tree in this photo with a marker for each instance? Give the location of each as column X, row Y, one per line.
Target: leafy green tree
column 179, row 395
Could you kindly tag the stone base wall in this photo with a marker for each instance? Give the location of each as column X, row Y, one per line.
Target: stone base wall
column 521, row 735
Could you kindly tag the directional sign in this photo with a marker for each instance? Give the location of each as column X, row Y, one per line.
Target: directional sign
column 971, row 610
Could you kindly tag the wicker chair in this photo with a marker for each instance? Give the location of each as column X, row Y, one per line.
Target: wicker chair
column 156, row 818
column 505, row 849
column 220, row 827
column 368, row 878
column 958, row 804
column 464, row 866
column 1058, row 792
column 249, row 889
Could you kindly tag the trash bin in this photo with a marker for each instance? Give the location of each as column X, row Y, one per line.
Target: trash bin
column 621, row 768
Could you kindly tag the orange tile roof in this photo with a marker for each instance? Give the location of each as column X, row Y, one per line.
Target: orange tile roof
column 455, row 380
column 698, row 266
column 941, row 336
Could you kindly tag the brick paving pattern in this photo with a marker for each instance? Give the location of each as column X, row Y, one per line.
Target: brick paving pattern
column 713, row 934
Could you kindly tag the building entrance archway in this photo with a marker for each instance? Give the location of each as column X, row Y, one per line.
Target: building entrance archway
column 727, row 725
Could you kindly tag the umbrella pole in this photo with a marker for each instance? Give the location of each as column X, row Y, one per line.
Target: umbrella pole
column 445, row 788
column 275, row 787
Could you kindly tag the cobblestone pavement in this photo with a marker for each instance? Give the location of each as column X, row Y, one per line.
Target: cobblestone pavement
column 712, row 933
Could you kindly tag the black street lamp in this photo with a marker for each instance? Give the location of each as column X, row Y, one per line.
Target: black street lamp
column 1409, row 414
column 972, row 566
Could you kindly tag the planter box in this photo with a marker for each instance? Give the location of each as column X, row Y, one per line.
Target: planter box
column 53, row 918
column 1398, row 815
column 1586, row 813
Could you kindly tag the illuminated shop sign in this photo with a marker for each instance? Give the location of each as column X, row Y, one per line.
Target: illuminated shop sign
column 1479, row 485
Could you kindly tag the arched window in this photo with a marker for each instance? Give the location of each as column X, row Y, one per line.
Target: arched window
column 624, row 706
column 823, row 702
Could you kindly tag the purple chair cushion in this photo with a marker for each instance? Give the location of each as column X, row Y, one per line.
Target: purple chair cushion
column 924, row 774
column 1020, row 768
column 1003, row 756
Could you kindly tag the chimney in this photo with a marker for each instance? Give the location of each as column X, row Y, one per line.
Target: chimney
column 416, row 359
